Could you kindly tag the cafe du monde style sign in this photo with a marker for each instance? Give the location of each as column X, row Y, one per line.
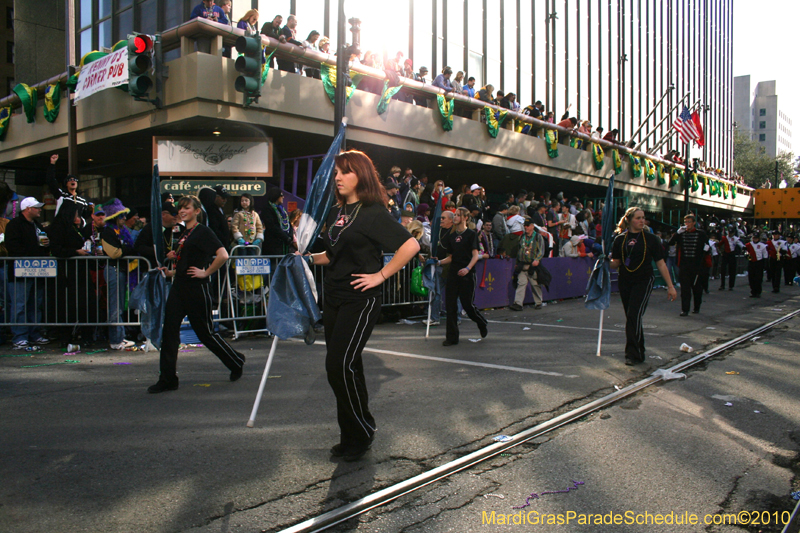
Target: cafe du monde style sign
column 213, row 157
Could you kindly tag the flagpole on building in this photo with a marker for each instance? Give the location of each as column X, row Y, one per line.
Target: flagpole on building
column 342, row 64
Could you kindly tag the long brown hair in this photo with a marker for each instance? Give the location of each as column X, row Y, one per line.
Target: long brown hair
column 625, row 221
column 369, row 188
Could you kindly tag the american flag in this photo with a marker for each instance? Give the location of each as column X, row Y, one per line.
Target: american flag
column 686, row 130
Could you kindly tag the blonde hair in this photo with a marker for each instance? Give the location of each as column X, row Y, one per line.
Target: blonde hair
column 415, row 229
column 464, row 213
column 623, row 223
column 249, row 14
column 513, row 210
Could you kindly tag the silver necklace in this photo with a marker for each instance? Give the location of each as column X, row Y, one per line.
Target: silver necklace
column 343, row 221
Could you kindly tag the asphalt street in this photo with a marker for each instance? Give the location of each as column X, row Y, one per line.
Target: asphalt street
column 86, row 449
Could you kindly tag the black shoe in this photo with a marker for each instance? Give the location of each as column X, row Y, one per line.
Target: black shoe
column 722, row 288
column 776, row 291
column 730, row 288
column 350, row 453
column 685, row 313
column 515, row 307
column 448, row 342
column 628, row 362
column 162, row 385
column 696, row 311
column 484, row 330
column 236, row 374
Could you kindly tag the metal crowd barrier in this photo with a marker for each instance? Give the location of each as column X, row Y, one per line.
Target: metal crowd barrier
column 78, row 291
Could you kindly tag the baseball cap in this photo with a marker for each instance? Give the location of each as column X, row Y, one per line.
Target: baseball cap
column 502, row 207
column 474, row 186
column 30, row 202
column 390, row 184
column 169, row 208
column 222, row 191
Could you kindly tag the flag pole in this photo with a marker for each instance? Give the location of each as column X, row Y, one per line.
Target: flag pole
column 252, row 421
column 430, row 301
column 600, row 330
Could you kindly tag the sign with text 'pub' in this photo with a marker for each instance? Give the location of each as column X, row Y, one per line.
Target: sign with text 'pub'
column 215, row 156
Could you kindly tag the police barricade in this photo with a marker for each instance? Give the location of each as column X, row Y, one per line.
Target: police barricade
column 76, row 291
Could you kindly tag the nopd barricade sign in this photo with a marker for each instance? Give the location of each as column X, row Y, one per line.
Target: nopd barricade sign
column 35, row 268
column 252, row 265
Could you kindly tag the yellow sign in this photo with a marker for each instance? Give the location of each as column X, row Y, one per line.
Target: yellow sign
column 777, row 203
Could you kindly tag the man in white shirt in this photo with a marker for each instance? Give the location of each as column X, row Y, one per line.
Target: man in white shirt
column 757, row 256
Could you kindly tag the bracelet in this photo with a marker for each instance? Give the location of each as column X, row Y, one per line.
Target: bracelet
column 381, row 271
column 310, row 259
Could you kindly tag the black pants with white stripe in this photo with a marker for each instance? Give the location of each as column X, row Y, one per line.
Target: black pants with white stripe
column 728, row 269
column 635, row 294
column 460, row 288
column 193, row 300
column 348, row 326
column 691, row 286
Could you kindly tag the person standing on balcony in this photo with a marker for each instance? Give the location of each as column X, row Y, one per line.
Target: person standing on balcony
column 273, row 30
column 207, row 10
column 289, row 33
column 249, row 23
column 359, row 230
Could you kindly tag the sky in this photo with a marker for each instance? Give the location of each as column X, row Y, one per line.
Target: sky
column 765, row 33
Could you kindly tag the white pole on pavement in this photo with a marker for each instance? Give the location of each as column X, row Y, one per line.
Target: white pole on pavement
column 600, row 334
column 252, row 421
column 430, row 300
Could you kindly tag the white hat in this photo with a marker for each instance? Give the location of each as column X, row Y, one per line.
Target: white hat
column 29, row 202
column 474, row 186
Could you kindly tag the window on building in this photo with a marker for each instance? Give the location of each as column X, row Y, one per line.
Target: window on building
column 762, row 137
column 762, row 112
column 762, row 125
column 10, row 18
column 10, row 52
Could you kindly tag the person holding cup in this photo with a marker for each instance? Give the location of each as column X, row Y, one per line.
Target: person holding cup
column 26, row 239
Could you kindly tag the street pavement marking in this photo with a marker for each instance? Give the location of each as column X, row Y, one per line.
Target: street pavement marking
column 564, row 327
column 470, row 363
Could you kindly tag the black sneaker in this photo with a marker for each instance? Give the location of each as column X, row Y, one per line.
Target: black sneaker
column 350, row 453
column 236, row 374
column 484, row 330
column 685, row 313
column 448, row 342
column 515, row 307
column 162, row 386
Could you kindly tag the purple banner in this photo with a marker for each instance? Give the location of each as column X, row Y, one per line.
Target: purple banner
column 570, row 276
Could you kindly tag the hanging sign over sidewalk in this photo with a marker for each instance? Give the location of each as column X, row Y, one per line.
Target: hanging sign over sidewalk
column 215, row 156
column 104, row 73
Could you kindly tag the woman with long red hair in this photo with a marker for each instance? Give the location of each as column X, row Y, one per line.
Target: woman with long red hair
column 359, row 230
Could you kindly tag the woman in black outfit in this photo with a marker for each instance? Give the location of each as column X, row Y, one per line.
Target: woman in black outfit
column 633, row 253
column 277, row 229
column 190, row 296
column 358, row 230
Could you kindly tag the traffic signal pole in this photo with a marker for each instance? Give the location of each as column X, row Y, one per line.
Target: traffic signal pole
column 342, row 64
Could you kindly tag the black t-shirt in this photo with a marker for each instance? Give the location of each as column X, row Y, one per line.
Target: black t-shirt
column 355, row 245
column 460, row 246
column 638, row 250
column 551, row 217
column 198, row 250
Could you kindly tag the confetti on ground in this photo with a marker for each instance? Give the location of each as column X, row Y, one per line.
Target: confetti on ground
column 184, row 351
column 728, row 404
column 67, row 362
column 73, row 353
column 502, row 438
column 273, row 377
column 535, row 496
column 121, row 363
column 709, row 327
column 655, row 357
column 16, row 355
column 526, row 329
column 475, row 340
column 495, row 495
column 757, row 412
column 202, row 384
column 96, row 351
column 560, row 320
column 732, row 373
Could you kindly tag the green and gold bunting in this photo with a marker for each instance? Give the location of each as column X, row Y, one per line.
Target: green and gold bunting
column 695, row 182
column 598, row 155
column 662, row 178
column 573, row 142
column 551, row 142
column 713, row 188
column 675, row 177
column 446, row 110
column 636, row 165
column 328, row 74
column 725, row 191
column 265, row 65
column 386, row 96
column 703, row 184
column 5, row 117
column 651, row 169
column 733, row 191
column 28, row 96
column 52, row 102
column 617, row 161
column 494, row 119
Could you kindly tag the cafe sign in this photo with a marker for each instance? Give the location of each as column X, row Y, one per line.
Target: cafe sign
column 235, row 187
column 200, row 156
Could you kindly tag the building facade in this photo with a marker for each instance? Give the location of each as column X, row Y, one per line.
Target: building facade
column 607, row 61
column 766, row 123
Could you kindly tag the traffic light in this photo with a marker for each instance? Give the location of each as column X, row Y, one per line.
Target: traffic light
column 249, row 64
column 140, row 60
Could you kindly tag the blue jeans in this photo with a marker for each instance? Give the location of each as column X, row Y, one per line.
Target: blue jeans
column 116, row 287
column 672, row 264
column 28, row 297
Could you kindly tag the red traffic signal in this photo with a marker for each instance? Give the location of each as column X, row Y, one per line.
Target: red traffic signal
column 142, row 44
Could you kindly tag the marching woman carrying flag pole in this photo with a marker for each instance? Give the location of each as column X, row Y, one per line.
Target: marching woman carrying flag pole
column 633, row 253
column 359, row 229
